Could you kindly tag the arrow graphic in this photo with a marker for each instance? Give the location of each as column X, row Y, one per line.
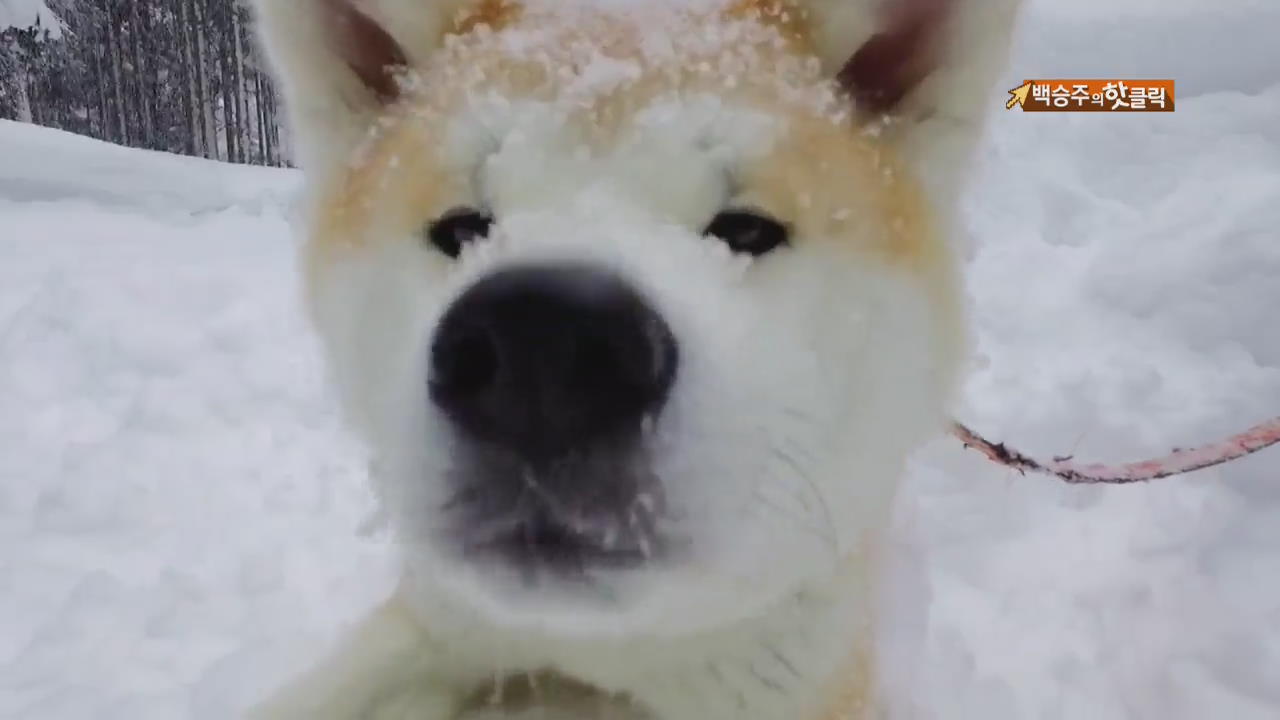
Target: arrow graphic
column 1019, row 95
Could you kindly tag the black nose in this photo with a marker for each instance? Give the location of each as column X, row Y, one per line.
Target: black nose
column 544, row 360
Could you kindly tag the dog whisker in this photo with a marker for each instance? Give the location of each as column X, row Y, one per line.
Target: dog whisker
column 783, row 661
column 801, row 522
column 766, row 681
column 740, row 697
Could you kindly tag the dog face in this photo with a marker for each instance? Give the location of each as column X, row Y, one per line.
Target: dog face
column 638, row 312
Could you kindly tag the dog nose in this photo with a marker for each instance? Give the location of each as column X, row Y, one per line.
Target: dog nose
column 544, row 360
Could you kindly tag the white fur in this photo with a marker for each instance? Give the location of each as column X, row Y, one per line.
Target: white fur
column 805, row 380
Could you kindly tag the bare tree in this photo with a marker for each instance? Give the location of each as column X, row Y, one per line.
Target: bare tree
column 178, row 75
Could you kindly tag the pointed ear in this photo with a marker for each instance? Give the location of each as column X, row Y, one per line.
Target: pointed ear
column 337, row 62
column 928, row 65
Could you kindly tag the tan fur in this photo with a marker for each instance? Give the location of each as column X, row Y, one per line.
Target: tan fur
column 785, row 15
column 852, row 695
column 492, row 14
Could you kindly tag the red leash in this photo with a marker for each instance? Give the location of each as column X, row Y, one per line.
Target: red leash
column 1178, row 462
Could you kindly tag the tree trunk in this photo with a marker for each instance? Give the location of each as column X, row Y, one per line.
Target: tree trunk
column 24, row 97
column 141, row 103
column 191, row 60
column 245, row 140
column 264, row 155
column 100, row 81
column 279, row 149
column 183, row 79
column 228, row 101
column 117, row 82
column 207, row 126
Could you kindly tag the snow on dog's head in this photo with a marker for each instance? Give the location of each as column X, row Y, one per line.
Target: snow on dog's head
column 638, row 313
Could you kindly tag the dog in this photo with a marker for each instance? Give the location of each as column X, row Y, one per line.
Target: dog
column 640, row 307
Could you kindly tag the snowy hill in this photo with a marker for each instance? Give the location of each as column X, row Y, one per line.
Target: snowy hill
column 47, row 165
column 179, row 507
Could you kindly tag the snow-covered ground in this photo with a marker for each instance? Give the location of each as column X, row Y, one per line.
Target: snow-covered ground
column 179, row 506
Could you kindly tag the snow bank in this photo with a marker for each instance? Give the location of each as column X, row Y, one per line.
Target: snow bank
column 171, row 470
column 1125, row 285
column 42, row 165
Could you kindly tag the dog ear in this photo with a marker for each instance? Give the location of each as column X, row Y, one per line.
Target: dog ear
column 929, row 66
column 337, row 62
column 903, row 50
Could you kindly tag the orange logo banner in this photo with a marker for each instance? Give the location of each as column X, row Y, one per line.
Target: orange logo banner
column 1093, row 96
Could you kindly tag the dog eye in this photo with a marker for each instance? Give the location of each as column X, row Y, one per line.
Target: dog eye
column 458, row 227
column 749, row 232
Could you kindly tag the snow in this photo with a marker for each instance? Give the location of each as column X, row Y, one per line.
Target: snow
column 179, row 506
column 45, row 166
column 25, row 13
column 1183, row 39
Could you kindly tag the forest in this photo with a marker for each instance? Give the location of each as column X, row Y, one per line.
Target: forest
column 183, row 76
